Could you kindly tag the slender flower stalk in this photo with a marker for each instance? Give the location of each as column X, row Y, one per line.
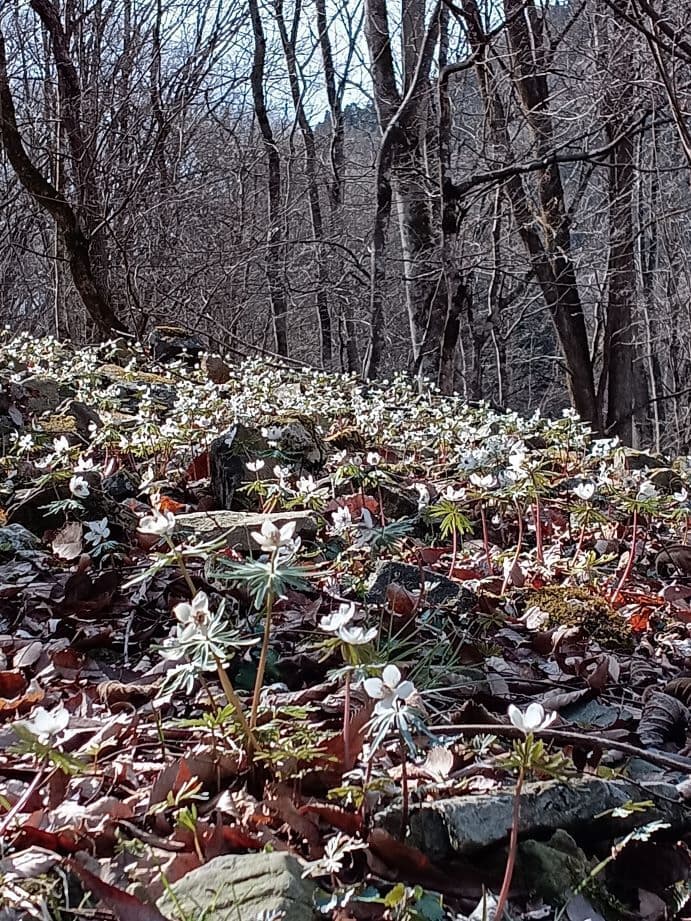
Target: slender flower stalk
column 513, row 848
column 517, row 552
column 629, row 563
column 263, row 655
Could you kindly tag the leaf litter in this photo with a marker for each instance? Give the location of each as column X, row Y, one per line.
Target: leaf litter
column 152, row 721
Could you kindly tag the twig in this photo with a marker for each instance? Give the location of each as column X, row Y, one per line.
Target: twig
column 566, row 737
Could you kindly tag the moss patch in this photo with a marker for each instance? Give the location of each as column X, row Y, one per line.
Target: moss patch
column 579, row 606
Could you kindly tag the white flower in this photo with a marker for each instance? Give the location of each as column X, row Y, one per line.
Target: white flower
column 147, row 479
column 388, row 689
column 60, row 445
column 646, row 491
column 271, row 538
column 534, row 617
column 342, row 520
column 373, row 458
column 160, row 523
column 79, row 487
column 424, row 497
column 335, row 850
column 533, row 719
column 84, row 464
column 47, row 723
column 255, row 466
column 98, row 531
column 306, row 486
column 356, row 636
column 584, row 491
column 517, row 459
column 453, row 495
column 482, row 482
column 25, row 443
column 681, row 496
column 333, row 622
column 195, row 614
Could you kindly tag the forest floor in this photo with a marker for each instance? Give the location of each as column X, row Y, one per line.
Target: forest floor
column 387, row 655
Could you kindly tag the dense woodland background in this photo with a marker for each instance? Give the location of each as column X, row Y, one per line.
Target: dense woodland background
column 495, row 195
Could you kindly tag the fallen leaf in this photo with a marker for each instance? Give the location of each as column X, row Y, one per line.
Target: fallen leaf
column 126, row 907
column 67, row 543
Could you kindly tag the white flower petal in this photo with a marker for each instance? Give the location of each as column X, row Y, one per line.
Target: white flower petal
column 374, row 687
column 391, row 676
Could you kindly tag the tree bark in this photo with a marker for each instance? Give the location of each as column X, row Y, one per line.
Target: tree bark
column 542, row 224
column 402, row 167
column 275, row 242
column 76, row 241
column 288, row 42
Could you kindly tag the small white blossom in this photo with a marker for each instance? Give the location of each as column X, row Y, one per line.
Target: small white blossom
column 584, row 491
column 97, row 532
column 424, row 497
column 195, row 614
column 160, row 523
column 61, row 445
column 482, row 482
column 47, row 723
column 79, row 487
column 533, row 719
column 453, row 495
column 256, row 465
column 356, row 636
column 388, row 689
column 373, row 459
column 306, row 486
column 271, row 537
column 335, row 850
column 342, row 520
column 681, row 496
column 646, row 491
column 535, row 618
column 333, row 622
column 84, row 464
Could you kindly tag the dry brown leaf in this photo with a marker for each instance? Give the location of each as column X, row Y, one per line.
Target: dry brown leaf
column 67, row 543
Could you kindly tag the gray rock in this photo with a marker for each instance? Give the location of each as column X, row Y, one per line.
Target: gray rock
column 239, row 887
column 42, row 394
column 237, row 526
column 15, row 538
column 468, row 824
column 409, row 577
column 121, row 486
column 228, row 456
column 552, row 869
column 169, row 343
column 285, row 441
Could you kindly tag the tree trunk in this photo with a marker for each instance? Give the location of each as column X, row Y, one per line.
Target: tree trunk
column 75, row 240
column 402, row 166
column 275, row 241
column 296, row 91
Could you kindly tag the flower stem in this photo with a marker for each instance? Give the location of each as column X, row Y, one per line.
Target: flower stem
column 235, row 702
column 538, row 530
column 454, row 552
column 404, row 788
column 485, row 537
column 629, row 563
column 517, row 552
column 180, row 560
column 513, row 848
column 346, row 723
column 261, row 667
